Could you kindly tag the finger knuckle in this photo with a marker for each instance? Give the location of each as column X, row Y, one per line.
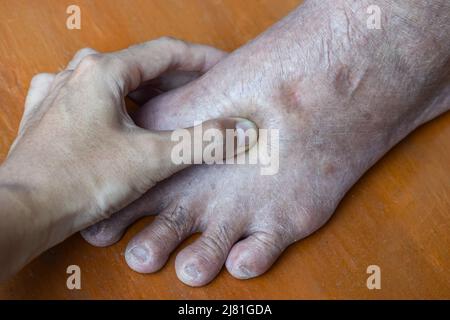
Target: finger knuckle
column 41, row 78
column 177, row 44
column 85, row 52
column 166, row 39
column 114, row 65
column 90, row 62
column 62, row 75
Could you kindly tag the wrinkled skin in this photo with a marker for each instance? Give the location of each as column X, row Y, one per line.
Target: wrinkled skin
column 340, row 94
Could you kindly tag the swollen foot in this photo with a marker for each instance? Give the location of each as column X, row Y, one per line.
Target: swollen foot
column 339, row 98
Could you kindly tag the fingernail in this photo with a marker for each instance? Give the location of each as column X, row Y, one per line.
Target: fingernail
column 191, row 271
column 137, row 254
column 244, row 130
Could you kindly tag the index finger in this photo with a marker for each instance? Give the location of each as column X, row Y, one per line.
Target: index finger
column 147, row 61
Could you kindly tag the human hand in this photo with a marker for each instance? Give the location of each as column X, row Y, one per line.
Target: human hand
column 79, row 156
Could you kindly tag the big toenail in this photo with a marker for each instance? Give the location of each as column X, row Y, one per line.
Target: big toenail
column 137, row 254
column 191, row 271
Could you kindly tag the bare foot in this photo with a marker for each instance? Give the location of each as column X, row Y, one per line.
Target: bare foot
column 340, row 95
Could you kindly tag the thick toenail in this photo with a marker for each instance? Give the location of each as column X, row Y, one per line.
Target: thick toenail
column 137, row 254
column 191, row 271
column 243, row 272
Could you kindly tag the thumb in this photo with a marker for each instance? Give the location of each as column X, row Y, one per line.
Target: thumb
column 209, row 142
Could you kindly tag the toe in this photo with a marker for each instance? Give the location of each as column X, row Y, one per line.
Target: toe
column 199, row 263
column 255, row 254
column 104, row 233
column 149, row 250
column 109, row 231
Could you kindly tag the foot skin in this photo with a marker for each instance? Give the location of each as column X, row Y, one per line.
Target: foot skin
column 339, row 104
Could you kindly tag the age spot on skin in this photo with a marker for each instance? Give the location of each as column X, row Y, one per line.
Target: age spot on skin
column 329, row 169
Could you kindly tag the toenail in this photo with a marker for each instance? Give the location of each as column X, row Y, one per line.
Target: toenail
column 244, row 273
column 93, row 230
column 137, row 254
column 191, row 271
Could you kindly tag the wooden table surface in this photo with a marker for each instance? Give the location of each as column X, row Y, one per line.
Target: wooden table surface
column 396, row 217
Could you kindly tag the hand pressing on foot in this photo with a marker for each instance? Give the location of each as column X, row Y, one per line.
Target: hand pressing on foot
column 340, row 94
column 79, row 157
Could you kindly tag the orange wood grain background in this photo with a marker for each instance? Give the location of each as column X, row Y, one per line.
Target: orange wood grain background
column 397, row 216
